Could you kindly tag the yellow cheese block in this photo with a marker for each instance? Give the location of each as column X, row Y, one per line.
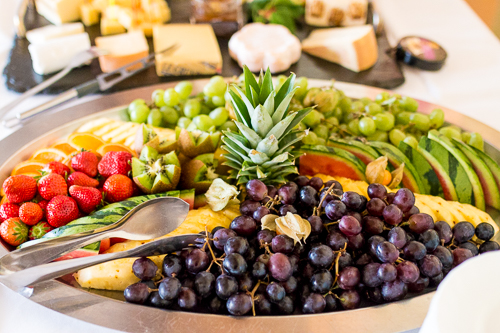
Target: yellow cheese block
column 59, row 11
column 111, row 27
column 118, row 275
column 122, row 49
column 89, row 14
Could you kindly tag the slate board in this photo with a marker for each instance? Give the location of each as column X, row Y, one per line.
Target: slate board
column 19, row 76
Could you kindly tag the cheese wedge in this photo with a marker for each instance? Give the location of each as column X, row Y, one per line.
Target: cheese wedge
column 55, row 54
column 59, row 11
column 197, row 51
column 354, row 48
column 89, row 14
column 122, row 49
column 43, row 34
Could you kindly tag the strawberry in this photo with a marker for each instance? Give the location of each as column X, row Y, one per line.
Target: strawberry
column 43, row 205
column 85, row 162
column 57, row 167
column 51, row 185
column 30, row 213
column 118, row 188
column 79, row 178
column 39, row 230
column 115, row 163
column 19, row 188
column 14, row 231
column 87, row 198
column 8, row 210
column 61, row 210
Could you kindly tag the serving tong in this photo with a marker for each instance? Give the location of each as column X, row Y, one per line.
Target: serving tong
column 151, row 219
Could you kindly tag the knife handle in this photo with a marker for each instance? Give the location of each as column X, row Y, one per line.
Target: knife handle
column 89, row 87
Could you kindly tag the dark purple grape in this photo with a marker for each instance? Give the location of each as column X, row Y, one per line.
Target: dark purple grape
column 408, row 272
column 327, row 199
column 225, row 286
column 375, row 295
column 421, row 222
column 239, row 304
column 322, row 281
column 256, row 190
column 204, row 284
column 419, row 285
column 158, row 302
column 294, row 261
column 471, row 246
column 336, row 240
column 314, row 303
column 485, row 231
column 387, row 272
column 349, row 278
column 149, row 283
column 290, row 285
column 236, row 244
column 445, row 256
column 288, row 194
column 413, row 210
column 248, row 207
column 286, row 209
column 373, row 225
column 332, row 304
column 349, row 225
column 259, row 270
column 137, row 293
column 345, row 260
column 202, row 240
column 335, row 210
column 265, row 236
column 430, row 265
column 316, row 183
column 463, row 231
column 282, row 244
column 221, row 236
column 244, row 225
column 216, row 305
column 260, row 212
column 392, row 215
column 390, row 197
column 263, row 258
column 394, row 291
column 321, row 256
column 275, row 292
column 460, row 255
column 262, row 305
column 188, row 283
column 370, row 275
column 251, row 254
column 286, row 306
column 444, row 231
column 144, row 268
column 307, row 270
column 172, row 265
column 387, row 252
column 430, row 239
column 397, row 236
column 363, row 260
column 373, row 242
column 350, row 299
column 187, row 299
column 353, row 201
column 169, row 288
column 356, row 215
column 316, row 224
column 377, row 191
column 435, row 281
column 337, row 187
column 235, row 264
column 375, row 207
column 356, row 242
column 404, row 199
column 301, row 181
column 279, row 266
column 489, row 246
column 197, row 261
column 414, row 251
column 272, row 191
column 308, row 196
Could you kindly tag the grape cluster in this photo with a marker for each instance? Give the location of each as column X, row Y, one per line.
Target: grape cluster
column 359, row 250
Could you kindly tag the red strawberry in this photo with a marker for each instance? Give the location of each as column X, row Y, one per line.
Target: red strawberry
column 8, row 210
column 52, row 185
column 85, row 162
column 43, row 205
column 87, row 198
column 30, row 213
column 19, row 188
column 118, row 188
column 57, row 167
column 115, row 163
column 79, row 178
column 14, row 231
column 39, row 230
column 61, row 210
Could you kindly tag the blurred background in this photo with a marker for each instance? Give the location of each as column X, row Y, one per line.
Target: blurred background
column 489, row 12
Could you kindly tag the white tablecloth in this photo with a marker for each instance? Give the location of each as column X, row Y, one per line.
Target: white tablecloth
column 469, row 83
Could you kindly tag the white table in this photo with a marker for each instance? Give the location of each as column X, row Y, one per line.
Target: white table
column 469, row 83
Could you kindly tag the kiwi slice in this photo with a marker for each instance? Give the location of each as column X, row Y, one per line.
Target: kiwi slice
column 146, row 136
column 192, row 144
column 199, row 173
column 154, row 172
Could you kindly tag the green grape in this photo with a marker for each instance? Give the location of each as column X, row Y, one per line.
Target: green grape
column 171, row 97
column 203, row 122
column 321, row 141
column 219, row 116
column 456, row 128
column 403, row 118
column 321, row 131
column 357, row 106
column 353, row 127
column 466, row 136
column 192, row 108
column 229, row 125
column 301, row 83
column 373, row 109
column 396, row 136
column 420, row 121
column 139, row 114
column 205, row 109
column 348, row 116
column 338, row 113
column 218, row 101
column 410, row 140
column 157, row 97
column 310, row 139
column 367, row 126
column 155, row 118
column 409, row 104
column 365, row 100
column 136, row 103
column 344, row 128
column 437, row 118
column 384, row 121
column 476, row 140
column 345, row 104
column 378, row 136
column 215, row 87
column 382, row 97
column 170, row 115
column 395, row 109
column 450, row 132
column 313, row 118
column 184, row 89
column 279, row 82
column 331, row 122
column 192, row 127
column 183, row 122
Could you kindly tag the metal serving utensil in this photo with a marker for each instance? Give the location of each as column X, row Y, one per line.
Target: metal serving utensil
column 151, row 219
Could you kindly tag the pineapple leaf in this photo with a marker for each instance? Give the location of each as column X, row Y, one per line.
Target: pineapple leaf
column 283, row 107
column 260, row 174
column 285, row 89
column 234, row 158
column 266, row 87
column 278, row 166
column 281, row 126
column 231, row 164
column 255, row 96
column 242, row 180
column 252, row 137
column 290, row 139
column 286, row 171
column 298, row 118
column 245, row 100
column 235, row 150
column 257, row 157
column 240, row 108
column 227, row 139
column 236, row 136
column 261, row 121
column 261, row 77
column 268, row 146
column 250, row 82
column 269, row 103
column 245, row 173
column 276, row 160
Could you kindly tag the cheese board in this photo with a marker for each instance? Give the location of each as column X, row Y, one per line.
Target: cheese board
column 106, row 308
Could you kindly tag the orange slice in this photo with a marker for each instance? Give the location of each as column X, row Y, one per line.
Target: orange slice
column 85, row 141
column 64, row 146
column 28, row 167
column 106, row 148
column 48, row 155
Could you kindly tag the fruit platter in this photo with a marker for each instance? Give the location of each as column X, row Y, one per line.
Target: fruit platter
column 328, row 206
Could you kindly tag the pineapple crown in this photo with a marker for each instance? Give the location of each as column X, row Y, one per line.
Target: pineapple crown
column 261, row 149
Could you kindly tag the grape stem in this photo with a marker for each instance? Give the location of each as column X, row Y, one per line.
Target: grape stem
column 207, row 243
column 252, row 295
column 336, row 263
column 317, row 210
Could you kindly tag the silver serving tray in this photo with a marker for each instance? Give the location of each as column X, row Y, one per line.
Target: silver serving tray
column 105, row 307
